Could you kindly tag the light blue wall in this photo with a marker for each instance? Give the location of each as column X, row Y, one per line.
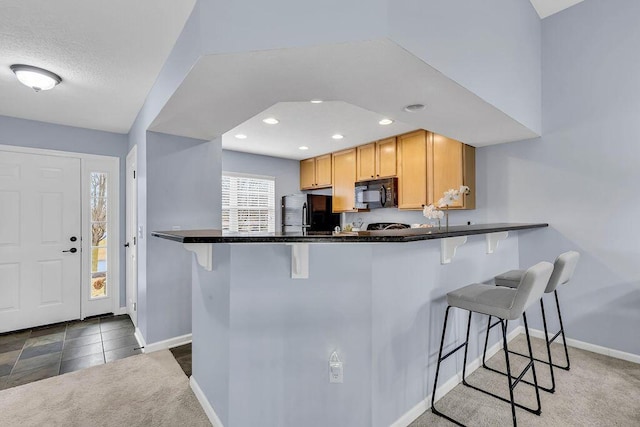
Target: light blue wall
column 29, row 133
column 250, row 25
column 183, row 190
column 184, row 54
column 285, row 171
column 582, row 175
column 263, row 339
column 491, row 47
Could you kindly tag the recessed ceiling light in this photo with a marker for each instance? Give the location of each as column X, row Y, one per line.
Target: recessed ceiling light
column 304, row 147
column 337, row 136
column 414, row 107
column 385, row 122
column 271, row 121
column 36, row 78
column 316, row 101
column 241, row 136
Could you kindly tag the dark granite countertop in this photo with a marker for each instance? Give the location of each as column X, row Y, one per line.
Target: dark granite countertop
column 387, row 236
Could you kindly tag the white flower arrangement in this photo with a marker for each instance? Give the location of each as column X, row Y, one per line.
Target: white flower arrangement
column 450, row 196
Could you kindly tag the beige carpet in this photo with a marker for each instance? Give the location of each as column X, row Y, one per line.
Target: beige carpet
column 597, row 391
column 144, row 390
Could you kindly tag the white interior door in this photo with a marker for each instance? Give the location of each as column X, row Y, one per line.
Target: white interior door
column 131, row 237
column 40, row 242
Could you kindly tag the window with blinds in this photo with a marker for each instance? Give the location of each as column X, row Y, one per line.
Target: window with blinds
column 248, row 203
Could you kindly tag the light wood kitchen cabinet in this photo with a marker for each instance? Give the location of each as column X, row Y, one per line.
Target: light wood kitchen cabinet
column 453, row 166
column 412, row 169
column 377, row 160
column 344, row 178
column 315, row 172
column 430, row 164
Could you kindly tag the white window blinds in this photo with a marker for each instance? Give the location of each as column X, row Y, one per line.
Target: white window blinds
column 248, row 203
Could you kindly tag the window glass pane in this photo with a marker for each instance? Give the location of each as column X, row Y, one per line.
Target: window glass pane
column 98, row 234
column 248, row 204
column 98, row 285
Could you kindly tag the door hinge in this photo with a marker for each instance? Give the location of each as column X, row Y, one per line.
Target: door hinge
column 134, row 240
column 135, row 306
column 134, row 174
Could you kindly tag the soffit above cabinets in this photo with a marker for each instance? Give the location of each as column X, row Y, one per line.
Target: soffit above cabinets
column 550, row 7
column 107, row 53
column 372, row 79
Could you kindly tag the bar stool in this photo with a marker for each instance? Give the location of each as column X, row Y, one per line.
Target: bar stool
column 505, row 304
column 563, row 270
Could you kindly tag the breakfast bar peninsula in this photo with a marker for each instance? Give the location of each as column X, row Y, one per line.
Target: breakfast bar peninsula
column 269, row 310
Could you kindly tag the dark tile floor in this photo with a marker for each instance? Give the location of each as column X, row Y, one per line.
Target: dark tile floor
column 183, row 357
column 47, row 351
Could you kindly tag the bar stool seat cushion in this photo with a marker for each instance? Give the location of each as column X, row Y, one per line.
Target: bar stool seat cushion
column 510, row 279
column 485, row 299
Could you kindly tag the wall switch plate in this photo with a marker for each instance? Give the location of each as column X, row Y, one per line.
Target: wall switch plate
column 335, row 369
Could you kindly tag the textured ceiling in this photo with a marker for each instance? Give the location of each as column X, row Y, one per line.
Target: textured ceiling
column 107, row 53
column 549, row 7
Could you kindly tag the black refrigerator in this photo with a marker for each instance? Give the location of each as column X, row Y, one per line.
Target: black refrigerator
column 308, row 214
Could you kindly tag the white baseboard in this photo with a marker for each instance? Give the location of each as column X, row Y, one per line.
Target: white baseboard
column 450, row 384
column 616, row 354
column 160, row 345
column 139, row 338
column 206, row 406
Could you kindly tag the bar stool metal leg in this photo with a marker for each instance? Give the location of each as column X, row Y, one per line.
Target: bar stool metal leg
column 440, row 359
column 564, row 339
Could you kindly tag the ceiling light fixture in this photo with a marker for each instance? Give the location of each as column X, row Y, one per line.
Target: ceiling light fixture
column 271, row 121
column 414, row 108
column 385, row 122
column 337, row 136
column 36, row 78
column 241, row 136
column 304, row 147
column 316, row 101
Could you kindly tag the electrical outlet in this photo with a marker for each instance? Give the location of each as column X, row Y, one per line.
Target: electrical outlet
column 335, row 369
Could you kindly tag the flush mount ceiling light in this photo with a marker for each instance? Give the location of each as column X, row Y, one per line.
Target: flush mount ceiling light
column 385, row 122
column 304, row 147
column 337, row 136
column 316, row 101
column 36, row 78
column 241, row 136
column 414, row 107
column 271, row 121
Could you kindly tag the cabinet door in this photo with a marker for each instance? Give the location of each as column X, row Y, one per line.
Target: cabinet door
column 447, row 167
column 366, row 162
column 307, row 174
column 386, row 158
column 344, row 177
column 323, row 171
column 412, row 170
column 454, row 164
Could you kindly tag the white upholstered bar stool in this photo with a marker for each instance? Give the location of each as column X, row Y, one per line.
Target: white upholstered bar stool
column 563, row 269
column 505, row 304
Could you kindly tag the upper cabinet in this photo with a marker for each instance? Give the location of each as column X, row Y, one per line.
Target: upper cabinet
column 377, row 160
column 430, row 164
column 344, row 178
column 412, row 170
column 426, row 164
column 315, row 172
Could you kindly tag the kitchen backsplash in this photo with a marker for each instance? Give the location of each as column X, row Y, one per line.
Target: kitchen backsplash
column 405, row 217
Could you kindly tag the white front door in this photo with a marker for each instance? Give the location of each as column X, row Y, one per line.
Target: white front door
column 40, row 242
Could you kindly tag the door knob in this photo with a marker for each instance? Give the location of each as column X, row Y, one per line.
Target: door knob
column 126, row 245
column 73, row 238
column 72, row 250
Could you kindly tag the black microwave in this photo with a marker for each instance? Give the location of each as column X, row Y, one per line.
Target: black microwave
column 380, row 193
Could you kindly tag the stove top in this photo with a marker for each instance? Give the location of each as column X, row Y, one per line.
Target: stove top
column 387, row 226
